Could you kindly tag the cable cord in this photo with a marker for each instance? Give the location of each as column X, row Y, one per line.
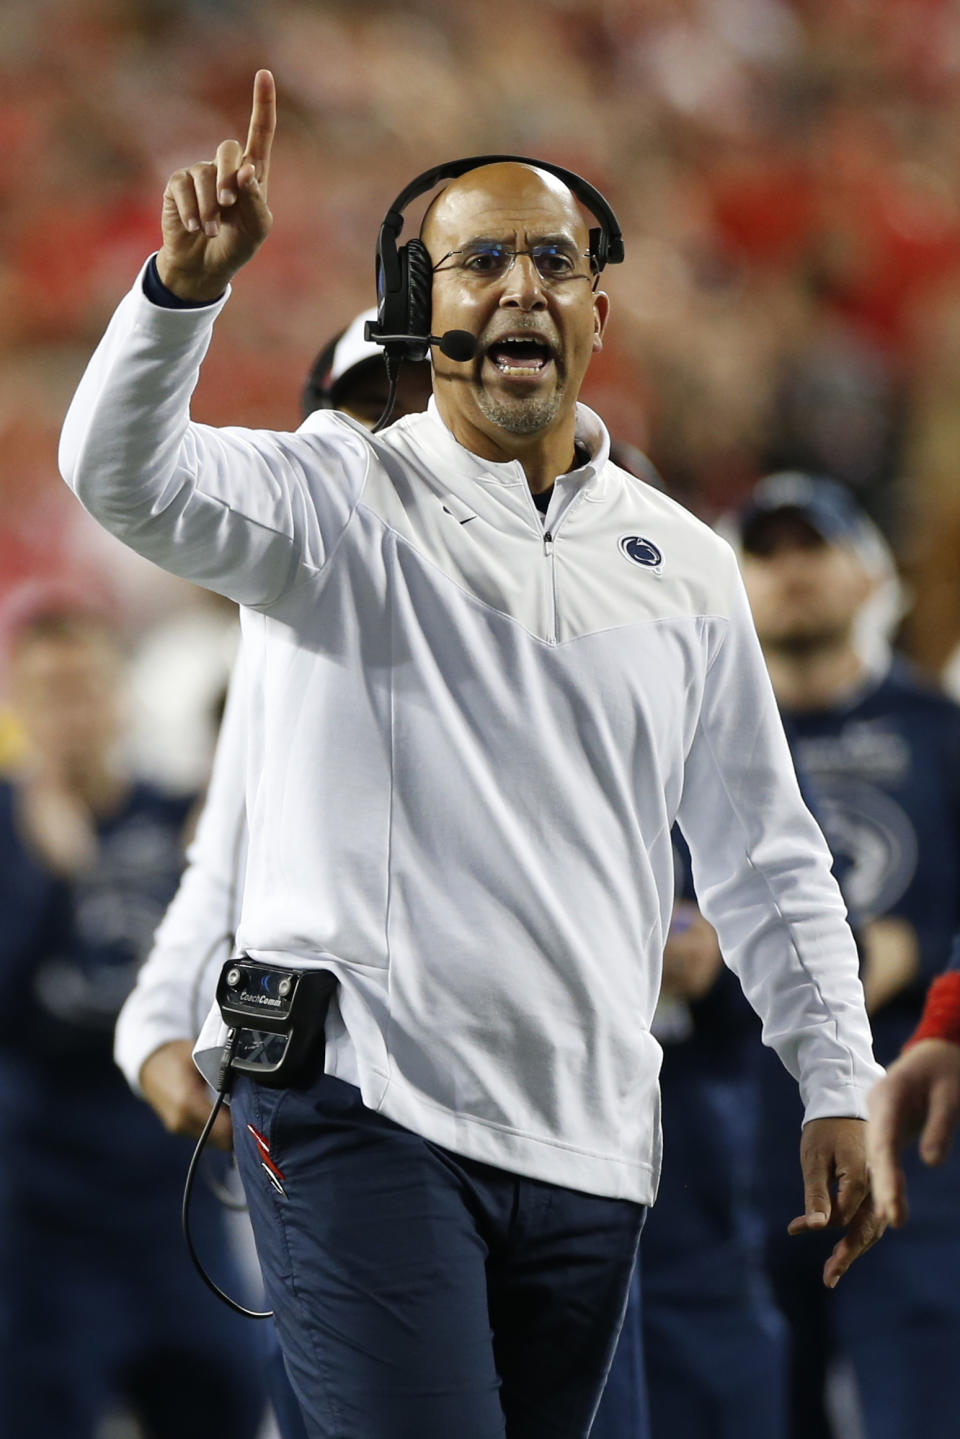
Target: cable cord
column 393, row 376
column 223, row 1087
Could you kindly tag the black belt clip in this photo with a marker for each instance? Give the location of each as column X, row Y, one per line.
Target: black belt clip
column 277, row 1016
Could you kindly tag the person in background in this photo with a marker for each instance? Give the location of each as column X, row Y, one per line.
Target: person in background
column 881, row 751
column 159, row 1023
column 714, row 1342
column 162, row 1016
column 99, row 1306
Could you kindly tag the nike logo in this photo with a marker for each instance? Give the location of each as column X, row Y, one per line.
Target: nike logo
column 453, row 516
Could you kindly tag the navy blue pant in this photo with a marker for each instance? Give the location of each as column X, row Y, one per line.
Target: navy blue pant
column 624, row 1411
column 283, row 1401
column 419, row 1294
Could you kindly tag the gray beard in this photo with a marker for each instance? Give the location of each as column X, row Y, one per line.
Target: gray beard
column 520, row 417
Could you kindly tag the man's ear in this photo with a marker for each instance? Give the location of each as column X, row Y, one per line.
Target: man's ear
column 601, row 310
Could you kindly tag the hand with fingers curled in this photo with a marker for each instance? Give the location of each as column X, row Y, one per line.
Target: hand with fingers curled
column 178, row 1095
column 215, row 214
column 836, row 1191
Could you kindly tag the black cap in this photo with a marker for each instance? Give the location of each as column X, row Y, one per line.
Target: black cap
column 827, row 507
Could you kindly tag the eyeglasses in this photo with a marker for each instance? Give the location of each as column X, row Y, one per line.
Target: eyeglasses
column 491, row 262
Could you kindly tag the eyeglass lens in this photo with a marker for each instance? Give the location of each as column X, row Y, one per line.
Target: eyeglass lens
column 553, row 262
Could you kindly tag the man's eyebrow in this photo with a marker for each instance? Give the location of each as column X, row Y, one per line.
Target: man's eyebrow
column 559, row 240
column 478, row 240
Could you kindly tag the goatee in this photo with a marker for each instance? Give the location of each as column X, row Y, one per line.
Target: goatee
column 520, row 416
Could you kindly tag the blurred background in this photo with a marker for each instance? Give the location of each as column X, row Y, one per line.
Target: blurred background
column 787, row 173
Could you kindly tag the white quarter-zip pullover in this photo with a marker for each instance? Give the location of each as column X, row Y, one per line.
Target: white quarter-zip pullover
column 469, row 735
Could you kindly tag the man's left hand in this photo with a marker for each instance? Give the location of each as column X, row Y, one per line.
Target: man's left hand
column 836, row 1191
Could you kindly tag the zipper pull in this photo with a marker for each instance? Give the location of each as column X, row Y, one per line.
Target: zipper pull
column 547, row 542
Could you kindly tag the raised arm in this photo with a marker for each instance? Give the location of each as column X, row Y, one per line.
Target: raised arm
column 243, row 512
column 215, row 215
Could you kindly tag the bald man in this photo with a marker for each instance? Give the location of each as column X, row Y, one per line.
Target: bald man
column 485, row 670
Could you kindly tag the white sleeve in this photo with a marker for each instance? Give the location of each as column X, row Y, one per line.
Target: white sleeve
column 239, row 511
column 761, row 870
column 175, row 987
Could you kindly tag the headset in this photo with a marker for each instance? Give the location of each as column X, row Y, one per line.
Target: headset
column 405, row 273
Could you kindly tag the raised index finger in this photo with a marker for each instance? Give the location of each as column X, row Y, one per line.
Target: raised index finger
column 263, row 123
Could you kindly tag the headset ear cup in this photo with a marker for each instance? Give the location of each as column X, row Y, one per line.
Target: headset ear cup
column 419, row 286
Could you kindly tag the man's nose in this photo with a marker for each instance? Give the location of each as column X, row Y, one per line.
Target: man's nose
column 523, row 287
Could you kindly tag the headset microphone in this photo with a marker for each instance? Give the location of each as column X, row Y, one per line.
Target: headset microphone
column 455, row 344
column 458, row 345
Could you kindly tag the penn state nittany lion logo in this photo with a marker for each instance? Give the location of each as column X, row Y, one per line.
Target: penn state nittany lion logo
column 872, row 839
column 641, row 551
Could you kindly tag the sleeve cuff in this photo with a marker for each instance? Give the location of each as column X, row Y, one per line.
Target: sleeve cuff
column 941, row 1014
column 158, row 294
column 140, row 1031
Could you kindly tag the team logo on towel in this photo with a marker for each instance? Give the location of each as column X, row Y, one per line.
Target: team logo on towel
column 641, row 551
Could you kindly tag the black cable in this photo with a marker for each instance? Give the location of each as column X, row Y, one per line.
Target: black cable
column 223, row 1086
column 392, row 363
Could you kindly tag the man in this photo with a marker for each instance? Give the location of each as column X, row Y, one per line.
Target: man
column 919, row 1095
column 882, row 752
column 99, row 1308
column 470, row 731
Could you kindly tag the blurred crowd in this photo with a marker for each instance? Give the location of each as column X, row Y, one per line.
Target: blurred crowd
column 786, row 174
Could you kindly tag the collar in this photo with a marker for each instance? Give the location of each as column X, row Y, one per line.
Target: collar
column 590, row 431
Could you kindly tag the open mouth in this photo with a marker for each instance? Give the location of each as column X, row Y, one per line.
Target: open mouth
column 520, row 355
